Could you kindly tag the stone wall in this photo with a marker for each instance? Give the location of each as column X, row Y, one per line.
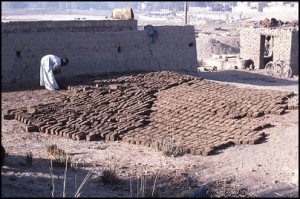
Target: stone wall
column 285, row 45
column 93, row 47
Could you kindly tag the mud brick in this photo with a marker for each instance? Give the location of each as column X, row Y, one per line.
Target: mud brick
column 92, row 137
column 253, row 133
column 52, row 130
column 80, row 136
column 18, row 117
column 266, row 125
column 11, row 111
column 267, row 111
column 27, row 120
column 280, row 112
column 125, row 139
column 273, row 110
column 40, row 124
column 51, row 122
column 132, row 141
column 31, row 110
column 237, row 141
column 9, row 117
column 147, row 144
column 84, row 128
column 43, row 128
column 290, row 106
column 246, row 141
column 255, row 114
column 69, row 134
column 47, row 129
column 113, row 136
column 105, row 135
column 249, row 114
column 254, row 139
column 22, row 119
column 86, row 88
column 139, row 141
column 58, row 131
column 73, row 135
column 202, row 152
column 195, row 151
column 237, row 132
column 144, row 142
column 32, row 128
column 64, row 132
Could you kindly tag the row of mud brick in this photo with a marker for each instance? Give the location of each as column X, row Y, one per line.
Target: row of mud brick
column 201, row 115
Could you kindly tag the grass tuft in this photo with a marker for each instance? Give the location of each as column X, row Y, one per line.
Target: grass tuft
column 169, row 148
column 109, row 176
column 28, row 159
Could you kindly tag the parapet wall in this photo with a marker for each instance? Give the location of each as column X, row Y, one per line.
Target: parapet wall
column 93, row 47
column 285, row 45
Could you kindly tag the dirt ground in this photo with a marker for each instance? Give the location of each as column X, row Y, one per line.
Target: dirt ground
column 268, row 169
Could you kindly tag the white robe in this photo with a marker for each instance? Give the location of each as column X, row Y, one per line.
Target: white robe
column 49, row 63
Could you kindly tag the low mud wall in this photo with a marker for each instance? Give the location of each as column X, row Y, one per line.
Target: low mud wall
column 93, row 47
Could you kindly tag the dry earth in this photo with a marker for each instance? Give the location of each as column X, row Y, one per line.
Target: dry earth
column 268, row 169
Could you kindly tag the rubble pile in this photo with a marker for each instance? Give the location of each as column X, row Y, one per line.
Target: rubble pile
column 271, row 23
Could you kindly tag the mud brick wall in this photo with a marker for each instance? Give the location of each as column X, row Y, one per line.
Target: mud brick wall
column 286, row 42
column 93, row 47
column 56, row 26
column 142, row 108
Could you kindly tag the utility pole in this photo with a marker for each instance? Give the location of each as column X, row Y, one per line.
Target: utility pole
column 185, row 13
column 70, row 8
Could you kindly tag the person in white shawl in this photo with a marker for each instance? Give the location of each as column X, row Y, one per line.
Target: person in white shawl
column 50, row 65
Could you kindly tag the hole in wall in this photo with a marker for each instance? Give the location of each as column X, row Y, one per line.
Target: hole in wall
column 191, row 44
column 18, row 54
column 119, row 49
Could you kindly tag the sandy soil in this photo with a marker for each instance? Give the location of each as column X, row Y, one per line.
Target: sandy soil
column 269, row 169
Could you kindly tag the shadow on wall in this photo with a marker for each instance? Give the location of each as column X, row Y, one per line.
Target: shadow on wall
column 247, row 77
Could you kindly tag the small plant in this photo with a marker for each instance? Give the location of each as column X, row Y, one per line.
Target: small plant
column 28, row 158
column 109, row 176
column 78, row 189
column 62, row 160
column 53, row 149
column 142, row 188
column 169, row 148
column 294, row 100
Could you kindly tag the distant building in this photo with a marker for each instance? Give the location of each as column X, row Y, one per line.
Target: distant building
column 284, row 46
column 249, row 7
column 282, row 7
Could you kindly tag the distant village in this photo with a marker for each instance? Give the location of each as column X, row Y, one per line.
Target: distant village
column 195, row 6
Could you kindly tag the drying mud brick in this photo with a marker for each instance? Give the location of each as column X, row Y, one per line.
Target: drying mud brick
column 141, row 108
column 32, row 129
column 9, row 117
